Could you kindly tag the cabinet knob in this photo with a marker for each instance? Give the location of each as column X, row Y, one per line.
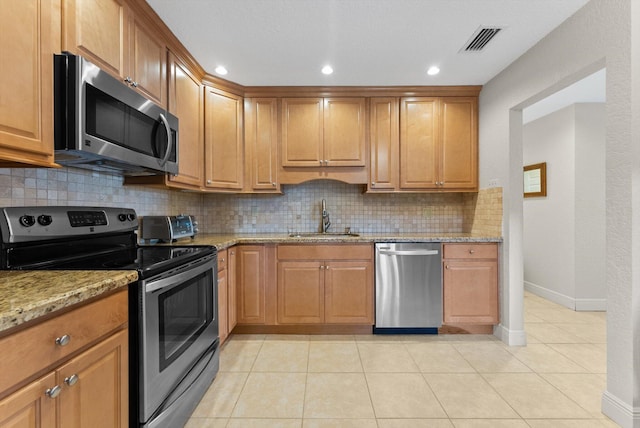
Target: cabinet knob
column 274, row 184
column 222, row 260
column 446, row 267
column 134, row 84
column 128, row 80
column 63, row 340
column 320, row 162
column 232, row 253
column 53, row 392
column 208, row 181
column 373, row 183
column 472, row 251
column 326, row 162
column 71, row 380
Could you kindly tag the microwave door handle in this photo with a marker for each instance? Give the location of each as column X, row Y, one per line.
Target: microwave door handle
column 169, row 140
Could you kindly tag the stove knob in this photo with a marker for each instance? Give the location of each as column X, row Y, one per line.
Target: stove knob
column 122, row 217
column 27, row 220
column 45, row 220
column 131, row 217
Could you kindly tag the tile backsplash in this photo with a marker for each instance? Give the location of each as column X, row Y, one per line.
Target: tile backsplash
column 298, row 209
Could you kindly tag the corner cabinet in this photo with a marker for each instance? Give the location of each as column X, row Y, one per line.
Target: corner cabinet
column 470, row 283
column 30, row 37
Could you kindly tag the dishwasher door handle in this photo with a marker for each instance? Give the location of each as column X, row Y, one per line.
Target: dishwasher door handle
column 410, row 252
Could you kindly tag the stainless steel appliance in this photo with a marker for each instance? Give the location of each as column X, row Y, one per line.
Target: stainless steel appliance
column 102, row 124
column 408, row 288
column 173, row 321
column 168, row 228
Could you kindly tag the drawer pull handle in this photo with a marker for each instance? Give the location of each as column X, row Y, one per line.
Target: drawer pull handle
column 63, row 340
column 71, row 380
column 53, row 392
column 472, row 251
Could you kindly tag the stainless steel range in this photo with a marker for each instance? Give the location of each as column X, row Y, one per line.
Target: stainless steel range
column 173, row 320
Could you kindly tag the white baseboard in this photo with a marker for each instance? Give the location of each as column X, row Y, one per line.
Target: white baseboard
column 620, row 412
column 510, row 337
column 566, row 301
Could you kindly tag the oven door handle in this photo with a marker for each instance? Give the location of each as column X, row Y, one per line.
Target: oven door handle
column 172, row 280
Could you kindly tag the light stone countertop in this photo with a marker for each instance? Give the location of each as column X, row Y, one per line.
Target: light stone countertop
column 26, row 295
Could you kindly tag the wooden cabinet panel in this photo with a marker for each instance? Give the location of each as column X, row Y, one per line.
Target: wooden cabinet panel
column 459, row 168
column 384, row 137
column 149, row 63
column 250, row 277
column 349, row 292
column 302, row 132
column 261, row 143
column 29, row 407
column 224, row 142
column 300, row 292
column 30, row 37
column 344, row 129
column 232, row 314
column 325, row 252
column 418, row 143
column 470, row 251
column 223, row 305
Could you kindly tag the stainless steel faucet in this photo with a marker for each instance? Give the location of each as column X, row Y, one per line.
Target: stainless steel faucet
column 326, row 222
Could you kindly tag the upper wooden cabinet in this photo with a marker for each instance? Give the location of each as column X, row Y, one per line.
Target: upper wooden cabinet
column 224, row 142
column 384, row 141
column 261, row 145
column 107, row 33
column 438, row 143
column 30, row 37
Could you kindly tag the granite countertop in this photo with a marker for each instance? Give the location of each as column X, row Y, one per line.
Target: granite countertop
column 26, row 295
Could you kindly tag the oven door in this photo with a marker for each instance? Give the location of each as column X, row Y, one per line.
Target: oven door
column 178, row 323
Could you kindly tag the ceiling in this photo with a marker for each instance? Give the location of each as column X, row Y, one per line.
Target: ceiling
column 367, row 42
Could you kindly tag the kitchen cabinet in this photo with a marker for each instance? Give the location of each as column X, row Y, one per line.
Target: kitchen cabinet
column 224, row 142
column 30, row 37
column 70, row 370
column 438, row 143
column 251, row 277
column 470, row 283
column 261, row 145
column 223, row 297
column 384, row 142
column 110, row 35
column 325, row 284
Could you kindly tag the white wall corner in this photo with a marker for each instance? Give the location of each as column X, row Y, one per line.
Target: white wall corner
column 551, row 295
column 510, row 337
column 620, row 412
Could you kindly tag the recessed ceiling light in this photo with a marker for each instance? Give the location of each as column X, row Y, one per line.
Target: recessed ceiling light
column 433, row 70
column 221, row 70
column 327, row 69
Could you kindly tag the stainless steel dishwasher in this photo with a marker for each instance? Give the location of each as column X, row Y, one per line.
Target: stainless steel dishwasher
column 408, row 288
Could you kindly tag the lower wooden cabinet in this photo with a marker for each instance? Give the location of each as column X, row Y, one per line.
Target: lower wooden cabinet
column 227, row 312
column 29, row 407
column 470, row 283
column 251, row 273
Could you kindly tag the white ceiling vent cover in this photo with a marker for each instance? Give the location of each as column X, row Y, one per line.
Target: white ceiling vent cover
column 480, row 38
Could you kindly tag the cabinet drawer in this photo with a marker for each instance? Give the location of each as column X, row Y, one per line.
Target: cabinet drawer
column 31, row 350
column 470, row 251
column 222, row 260
column 325, row 252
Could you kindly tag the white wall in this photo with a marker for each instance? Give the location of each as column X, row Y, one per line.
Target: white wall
column 604, row 33
column 564, row 232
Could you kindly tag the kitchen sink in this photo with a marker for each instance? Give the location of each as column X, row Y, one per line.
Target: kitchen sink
column 323, row 235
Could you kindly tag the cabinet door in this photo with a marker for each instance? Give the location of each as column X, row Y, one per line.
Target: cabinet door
column 148, row 59
column 302, row 132
column 385, row 144
column 261, row 139
column 186, row 102
column 29, row 407
column 223, row 305
column 419, row 148
column 99, row 397
column 250, row 284
column 300, row 292
column 349, row 292
column 30, row 37
column 470, row 291
column 459, row 139
column 224, row 147
column 232, row 314
column 344, row 131
column 99, row 31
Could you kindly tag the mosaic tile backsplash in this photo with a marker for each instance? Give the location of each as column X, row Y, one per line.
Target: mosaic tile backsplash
column 298, row 209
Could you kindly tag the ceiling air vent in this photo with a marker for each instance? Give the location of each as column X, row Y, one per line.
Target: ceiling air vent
column 480, row 38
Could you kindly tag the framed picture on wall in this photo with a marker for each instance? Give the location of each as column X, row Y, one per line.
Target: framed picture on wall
column 535, row 180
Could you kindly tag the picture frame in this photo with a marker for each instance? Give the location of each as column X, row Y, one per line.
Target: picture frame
column 535, row 180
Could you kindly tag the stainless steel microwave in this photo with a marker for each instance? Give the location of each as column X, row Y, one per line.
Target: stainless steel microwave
column 102, row 124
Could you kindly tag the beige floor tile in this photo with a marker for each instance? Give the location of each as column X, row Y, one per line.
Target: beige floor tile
column 287, row 337
column 591, row 333
column 402, row 395
column 206, row 423
column 332, row 338
column 531, row 318
column 334, row 357
column 489, row 423
column 282, row 356
column 438, row 358
column 386, row 358
column 468, row 396
column 264, row 423
column 590, row 356
column 491, row 357
column 239, row 355
column 584, row 389
column 339, row 423
column 272, row 395
column 414, row 423
column 564, row 423
column 549, row 333
column 337, row 395
column 222, row 395
column 533, row 397
column 542, row 358
column 564, row 315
